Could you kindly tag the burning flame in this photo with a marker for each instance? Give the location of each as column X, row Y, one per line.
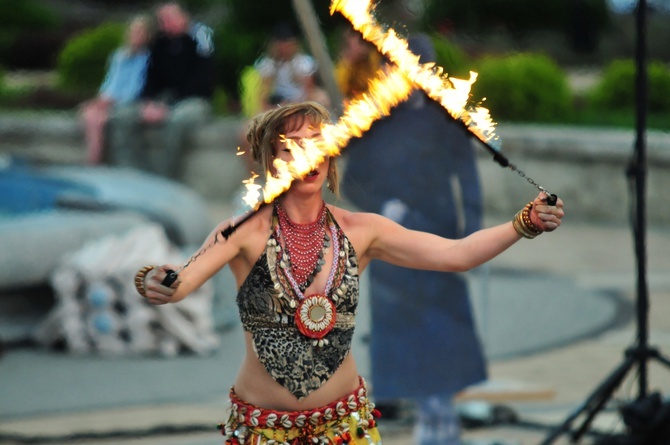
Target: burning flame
column 451, row 93
column 391, row 87
column 386, row 91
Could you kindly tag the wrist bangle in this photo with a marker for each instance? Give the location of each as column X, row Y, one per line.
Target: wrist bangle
column 525, row 214
column 520, row 229
column 524, row 225
column 139, row 279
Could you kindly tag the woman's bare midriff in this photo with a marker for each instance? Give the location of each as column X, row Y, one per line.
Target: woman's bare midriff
column 255, row 386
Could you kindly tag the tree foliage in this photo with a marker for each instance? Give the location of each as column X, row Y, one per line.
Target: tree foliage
column 517, row 17
column 23, row 16
column 83, row 62
column 523, row 87
column 616, row 89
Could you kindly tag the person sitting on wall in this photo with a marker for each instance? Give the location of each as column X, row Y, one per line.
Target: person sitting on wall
column 176, row 96
column 122, row 85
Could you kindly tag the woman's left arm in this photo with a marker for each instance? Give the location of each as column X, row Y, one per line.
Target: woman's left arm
column 419, row 250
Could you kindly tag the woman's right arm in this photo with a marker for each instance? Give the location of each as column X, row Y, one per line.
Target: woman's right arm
column 214, row 254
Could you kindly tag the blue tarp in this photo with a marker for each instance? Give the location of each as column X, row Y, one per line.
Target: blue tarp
column 26, row 190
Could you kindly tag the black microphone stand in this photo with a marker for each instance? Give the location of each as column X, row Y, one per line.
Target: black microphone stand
column 641, row 352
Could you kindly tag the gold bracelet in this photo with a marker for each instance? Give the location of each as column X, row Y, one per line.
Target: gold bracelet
column 525, row 214
column 524, row 225
column 139, row 279
column 519, row 227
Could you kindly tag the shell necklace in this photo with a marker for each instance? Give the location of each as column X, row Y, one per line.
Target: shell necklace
column 315, row 314
column 305, row 245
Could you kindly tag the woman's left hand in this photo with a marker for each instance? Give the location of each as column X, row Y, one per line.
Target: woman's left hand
column 545, row 216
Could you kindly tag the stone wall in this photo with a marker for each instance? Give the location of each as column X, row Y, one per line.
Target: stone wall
column 586, row 167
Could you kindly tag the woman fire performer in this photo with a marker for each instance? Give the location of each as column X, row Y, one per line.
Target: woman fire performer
column 297, row 264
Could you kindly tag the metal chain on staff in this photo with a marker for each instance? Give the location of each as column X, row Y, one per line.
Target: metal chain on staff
column 198, row 253
column 505, row 163
column 172, row 275
column 532, row 182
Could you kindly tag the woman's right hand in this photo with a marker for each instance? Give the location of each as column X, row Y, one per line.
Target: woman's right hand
column 156, row 293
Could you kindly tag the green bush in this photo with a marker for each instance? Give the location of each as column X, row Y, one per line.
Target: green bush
column 518, row 17
column 247, row 15
column 451, row 57
column 235, row 50
column 27, row 14
column 23, row 16
column 220, row 102
column 83, row 62
column 616, row 89
column 2, row 82
column 523, row 87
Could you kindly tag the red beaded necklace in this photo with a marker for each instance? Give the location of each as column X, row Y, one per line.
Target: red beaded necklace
column 305, row 244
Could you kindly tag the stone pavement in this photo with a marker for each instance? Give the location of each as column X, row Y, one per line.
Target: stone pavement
column 542, row 387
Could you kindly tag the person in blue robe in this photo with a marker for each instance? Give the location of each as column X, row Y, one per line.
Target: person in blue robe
column 418, row 167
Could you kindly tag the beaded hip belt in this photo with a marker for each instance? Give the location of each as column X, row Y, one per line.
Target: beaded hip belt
column 330, row 424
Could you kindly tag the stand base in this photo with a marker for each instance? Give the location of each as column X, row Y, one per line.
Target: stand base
column 597, row 399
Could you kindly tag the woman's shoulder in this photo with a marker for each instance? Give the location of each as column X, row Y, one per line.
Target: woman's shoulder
column 244, row 236
column 355, row 220
column 362, row 229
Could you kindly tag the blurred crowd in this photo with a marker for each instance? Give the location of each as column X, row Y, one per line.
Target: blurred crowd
column 159, row 87
column 162, row 79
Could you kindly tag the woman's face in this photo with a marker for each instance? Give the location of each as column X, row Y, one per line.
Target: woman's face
column 295, row 140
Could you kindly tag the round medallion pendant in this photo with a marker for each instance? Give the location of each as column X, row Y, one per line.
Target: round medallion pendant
column 315, row 316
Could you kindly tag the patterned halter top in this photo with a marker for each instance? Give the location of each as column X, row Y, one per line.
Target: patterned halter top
column 301, row 340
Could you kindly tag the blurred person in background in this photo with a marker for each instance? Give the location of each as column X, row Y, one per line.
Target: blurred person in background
column 176, row 96
column 283, row 74
column 418, row 168
column 356, row 65
column 122, row 85
column 288, row 74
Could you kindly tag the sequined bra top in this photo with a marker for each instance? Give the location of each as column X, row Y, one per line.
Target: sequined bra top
column 301, row 340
